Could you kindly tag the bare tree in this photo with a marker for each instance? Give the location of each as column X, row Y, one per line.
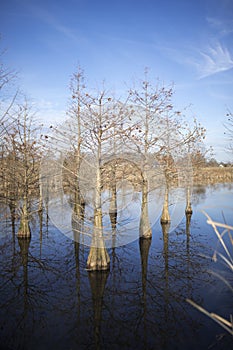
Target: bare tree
column 151, row 102
column 91, row 136
column 103, row 123
column 22, row 155
column 77, row 88
column 164, row 133
column 8, row 96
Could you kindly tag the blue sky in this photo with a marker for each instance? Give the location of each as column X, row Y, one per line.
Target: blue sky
column 185, row 42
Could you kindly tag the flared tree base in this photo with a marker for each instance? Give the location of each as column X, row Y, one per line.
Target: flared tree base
column 145, row 232
column 165, row 217
column 24, row 229
column 98, row 259
column 164, row 221
column 188, row 210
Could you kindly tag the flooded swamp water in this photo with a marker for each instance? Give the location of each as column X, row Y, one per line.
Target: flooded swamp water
column 50, row 301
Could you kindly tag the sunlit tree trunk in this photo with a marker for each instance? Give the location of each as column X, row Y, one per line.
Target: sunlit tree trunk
column 24, row 228
column 165, row 217
column 98, row 258
column 79, row 203
column 113, row 191
column 188, row 209
column 77, row 89
column 145, row 228
column 113, row 203
column 40, row 207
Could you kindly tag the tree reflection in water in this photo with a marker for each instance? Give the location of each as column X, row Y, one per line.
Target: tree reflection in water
column 144, row 244
column 97, row 281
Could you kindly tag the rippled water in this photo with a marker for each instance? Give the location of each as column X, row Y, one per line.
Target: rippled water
column 50, row 301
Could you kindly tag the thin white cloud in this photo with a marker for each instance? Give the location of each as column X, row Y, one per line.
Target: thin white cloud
column 214, row 22
column 48, row 18
column 214, row 59
column 223, row 27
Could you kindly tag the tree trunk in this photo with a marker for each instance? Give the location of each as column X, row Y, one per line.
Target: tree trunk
column 145, row 228
column 13, row 212
column 24, row 228
column 165, row 217
column 98, row 258
column 113, row 200
column 79, row 203
column 188, row 209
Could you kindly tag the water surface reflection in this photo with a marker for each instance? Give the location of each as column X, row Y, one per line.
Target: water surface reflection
column 49, row 299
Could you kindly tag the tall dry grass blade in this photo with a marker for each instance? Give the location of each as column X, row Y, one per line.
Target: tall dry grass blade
column 221, row 319
column 227, row 325
column 213, row 224
column 218, row 319
column 222, row 279
column 226, row 261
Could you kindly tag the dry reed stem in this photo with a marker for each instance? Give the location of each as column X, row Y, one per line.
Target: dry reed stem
column 227, row 325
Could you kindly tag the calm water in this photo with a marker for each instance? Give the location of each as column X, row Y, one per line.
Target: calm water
column 50, row 301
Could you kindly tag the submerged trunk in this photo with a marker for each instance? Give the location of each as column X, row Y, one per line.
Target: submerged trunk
column 165, row 217
column 24, row 228
column 145, row 228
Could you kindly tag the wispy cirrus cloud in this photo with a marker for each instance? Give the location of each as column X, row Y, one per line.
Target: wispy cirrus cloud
column 51, row 20
column 214, row 59
column 222, row 27
column 206, row 61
